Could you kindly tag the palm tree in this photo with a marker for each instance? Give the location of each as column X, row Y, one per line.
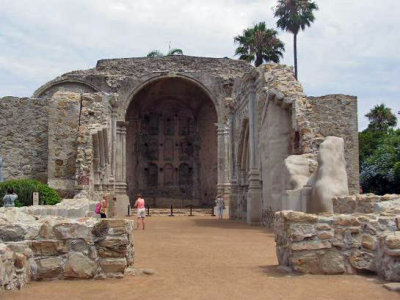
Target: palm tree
column 158, row 53
column 155, row 53
column 381, row 118
column 295, row 15
column 259, row 44
column 174, row 51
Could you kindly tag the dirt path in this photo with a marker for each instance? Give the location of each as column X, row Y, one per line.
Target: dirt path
column 201, row 258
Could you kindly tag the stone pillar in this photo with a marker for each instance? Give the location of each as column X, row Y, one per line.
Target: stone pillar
column 119, row 159
column 114, row 115
column 1, row 169
column 225, row 165
column 254, row 195
column 96, row 159
column 221, row 157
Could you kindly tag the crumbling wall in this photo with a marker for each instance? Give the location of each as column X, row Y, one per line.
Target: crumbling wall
column 336, row 115
column 366, row 204
column 64, row 119
column 24, row 138
column 336, row 244
column 74, row 117
column 60, row 248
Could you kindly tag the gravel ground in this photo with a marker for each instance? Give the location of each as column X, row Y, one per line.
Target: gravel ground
column 203, row 258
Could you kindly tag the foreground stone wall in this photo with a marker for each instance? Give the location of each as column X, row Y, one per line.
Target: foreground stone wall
column 336, row 244
column 24, row 138
column 60, row 248
column 367, row 204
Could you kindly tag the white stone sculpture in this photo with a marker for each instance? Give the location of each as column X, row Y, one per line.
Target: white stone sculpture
column 330, row 176
column 296, row 172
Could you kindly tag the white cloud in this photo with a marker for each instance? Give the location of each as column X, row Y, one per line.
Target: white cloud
column 351, row 48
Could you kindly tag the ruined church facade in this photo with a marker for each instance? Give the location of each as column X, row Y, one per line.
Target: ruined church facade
column 179, row 130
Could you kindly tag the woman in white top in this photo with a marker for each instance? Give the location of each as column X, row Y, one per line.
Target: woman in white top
column 9, row 198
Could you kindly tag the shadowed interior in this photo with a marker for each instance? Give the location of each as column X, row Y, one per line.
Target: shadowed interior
column 172, row 144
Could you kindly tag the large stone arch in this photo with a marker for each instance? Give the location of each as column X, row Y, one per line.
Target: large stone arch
column 73, row 85
column 193, row 112
column 131, row 95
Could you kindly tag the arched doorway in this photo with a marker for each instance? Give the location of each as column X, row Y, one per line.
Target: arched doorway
column 171, row 144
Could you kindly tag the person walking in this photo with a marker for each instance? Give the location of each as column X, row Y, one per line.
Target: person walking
column 104, row 206
column 9, row 198
column 219, row 201
column 141, row 210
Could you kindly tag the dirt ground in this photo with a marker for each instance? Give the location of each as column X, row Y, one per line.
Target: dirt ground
column 203, row 258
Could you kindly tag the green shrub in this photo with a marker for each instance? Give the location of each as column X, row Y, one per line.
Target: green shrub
column 24, row 188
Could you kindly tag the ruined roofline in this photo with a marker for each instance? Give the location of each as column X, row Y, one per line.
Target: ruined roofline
column 176, row 63
column 100, row 62
column 330, row 96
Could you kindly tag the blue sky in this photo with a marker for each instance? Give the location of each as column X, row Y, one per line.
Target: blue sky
column 352, row 47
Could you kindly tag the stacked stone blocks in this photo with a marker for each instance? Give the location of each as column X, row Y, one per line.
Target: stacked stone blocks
column 60, row 248
column 337, row 244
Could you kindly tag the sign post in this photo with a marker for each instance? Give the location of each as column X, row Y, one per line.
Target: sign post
column 35, row 198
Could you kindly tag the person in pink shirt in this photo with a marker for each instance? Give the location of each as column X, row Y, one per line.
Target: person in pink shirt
column 141, row 210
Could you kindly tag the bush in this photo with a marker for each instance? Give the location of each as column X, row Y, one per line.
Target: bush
column 24, row 188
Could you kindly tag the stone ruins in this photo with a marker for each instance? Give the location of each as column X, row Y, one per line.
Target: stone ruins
column 180, row 130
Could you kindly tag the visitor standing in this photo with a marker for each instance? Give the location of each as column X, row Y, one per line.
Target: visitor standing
column 9, row 198
column 104, row 205
column 219, row 201
column 141, row 210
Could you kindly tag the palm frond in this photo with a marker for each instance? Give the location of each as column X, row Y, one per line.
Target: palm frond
column 155, row 53
column 175, row 51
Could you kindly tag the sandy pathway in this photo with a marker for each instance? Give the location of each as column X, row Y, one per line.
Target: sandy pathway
column 201, row 258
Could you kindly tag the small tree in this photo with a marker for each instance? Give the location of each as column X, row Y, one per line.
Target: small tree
column 381, row 118
column 158, row 53
column 259, row 44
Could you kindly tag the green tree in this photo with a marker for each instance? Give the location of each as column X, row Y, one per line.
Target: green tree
column 295, row 15
column 380, row 172
column 158, row 53
column 259, row 44
column 381, row 118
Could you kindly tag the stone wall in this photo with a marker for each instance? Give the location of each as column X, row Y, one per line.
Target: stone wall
column 336, row 244
column 336, row 115
column 64, row 119
column 67, row 208
column 46, row 248
column 366, row 204
column 24, row 138
column 74, row 117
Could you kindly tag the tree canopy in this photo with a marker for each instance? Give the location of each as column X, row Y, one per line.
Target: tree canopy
column 158, row 53
column 259, row 44
column 294, row 15
column 381, row 118
column 380, row 152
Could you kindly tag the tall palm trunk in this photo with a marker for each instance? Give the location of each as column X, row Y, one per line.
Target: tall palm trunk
column 295, row 54
column 259, row 60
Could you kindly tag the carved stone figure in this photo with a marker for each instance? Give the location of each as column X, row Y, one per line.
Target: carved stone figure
column 330, row 176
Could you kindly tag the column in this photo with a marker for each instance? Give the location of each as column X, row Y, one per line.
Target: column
column 254, row 200
column 220, row 158
column 114, row 114
column 120, row 186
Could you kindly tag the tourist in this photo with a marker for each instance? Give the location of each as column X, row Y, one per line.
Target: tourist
column 104, row 206
column 219, row 201
column 9, row 198
column 141, row 210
